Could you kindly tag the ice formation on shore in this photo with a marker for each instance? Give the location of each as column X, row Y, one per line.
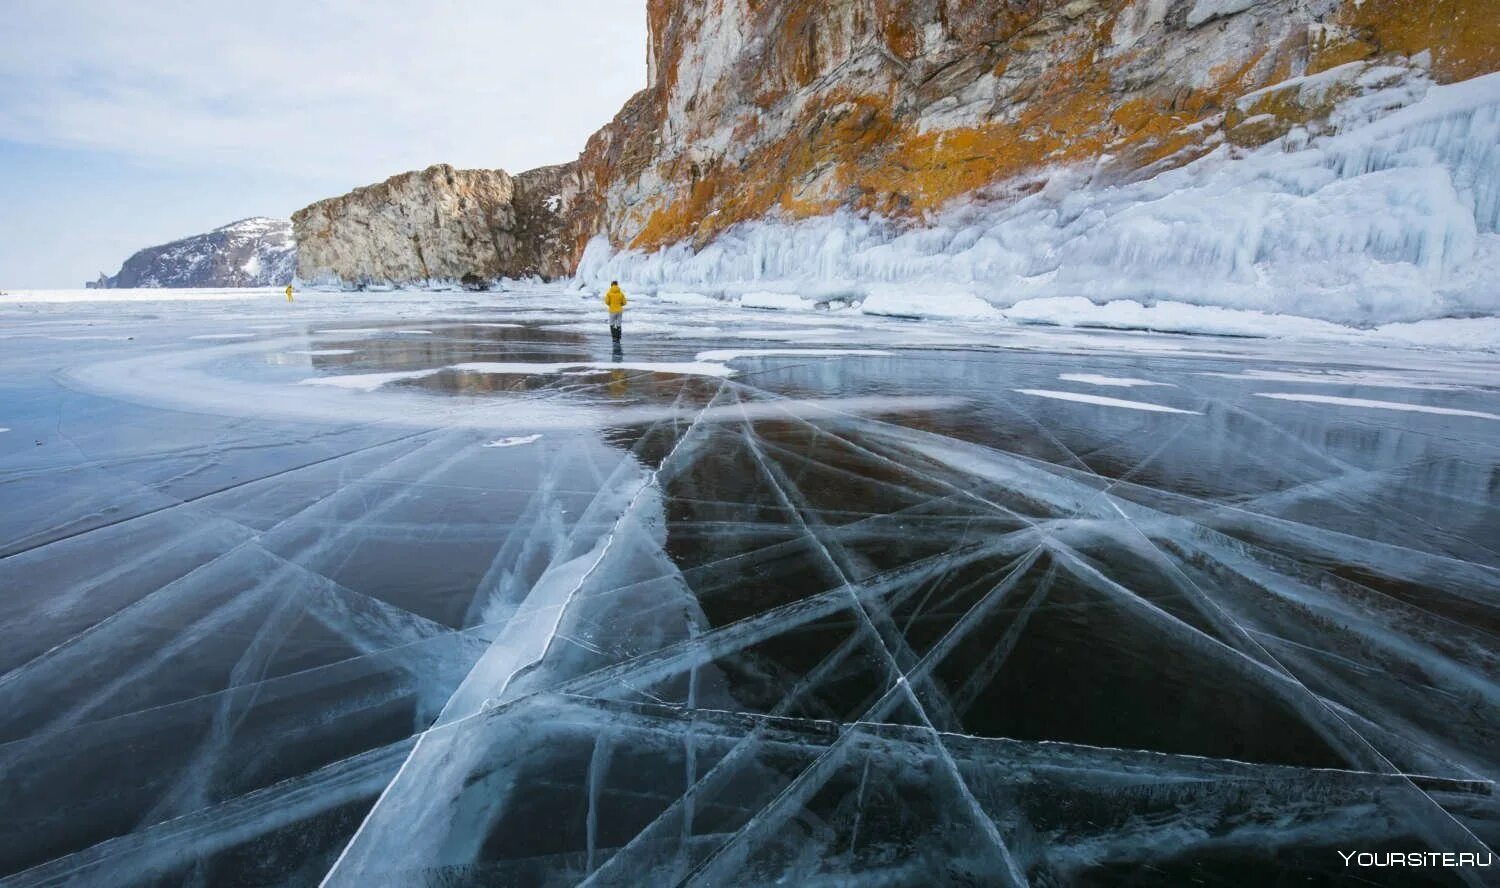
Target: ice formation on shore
column 1394, row 218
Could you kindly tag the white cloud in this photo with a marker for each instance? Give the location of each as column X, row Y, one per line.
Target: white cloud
column 351, row 89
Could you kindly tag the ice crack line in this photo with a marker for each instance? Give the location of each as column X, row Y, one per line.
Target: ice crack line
column 457, row 709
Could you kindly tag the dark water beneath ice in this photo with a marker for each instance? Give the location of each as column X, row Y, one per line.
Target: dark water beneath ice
column 1059, row 609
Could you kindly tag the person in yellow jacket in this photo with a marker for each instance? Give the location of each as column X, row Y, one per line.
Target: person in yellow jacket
column 615, row 301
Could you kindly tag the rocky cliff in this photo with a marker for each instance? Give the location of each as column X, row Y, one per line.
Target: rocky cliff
column 894, row 110
column 803, row 107
column 255, row 252
column 437, row 225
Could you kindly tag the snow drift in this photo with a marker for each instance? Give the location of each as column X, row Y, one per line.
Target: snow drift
column 1392, row 218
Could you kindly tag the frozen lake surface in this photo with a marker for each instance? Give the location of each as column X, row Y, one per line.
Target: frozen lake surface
column 439, row 589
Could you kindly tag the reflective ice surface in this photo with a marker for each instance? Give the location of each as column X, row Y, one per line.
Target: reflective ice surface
column 343, row 591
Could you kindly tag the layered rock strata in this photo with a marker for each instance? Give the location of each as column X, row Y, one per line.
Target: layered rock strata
column 438, row 225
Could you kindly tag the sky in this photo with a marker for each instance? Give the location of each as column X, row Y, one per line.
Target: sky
column 126, row 125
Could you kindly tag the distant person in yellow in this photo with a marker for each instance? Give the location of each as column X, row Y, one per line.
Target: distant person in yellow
column 615, row 301
column 288, row 292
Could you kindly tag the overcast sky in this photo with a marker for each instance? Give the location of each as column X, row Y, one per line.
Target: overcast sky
column 129, row 124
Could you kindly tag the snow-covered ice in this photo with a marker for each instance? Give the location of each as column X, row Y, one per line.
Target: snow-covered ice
column 725, row 355
column 909, row 602
column 1102, row 401
column 1107, row 381
column 1376, row 405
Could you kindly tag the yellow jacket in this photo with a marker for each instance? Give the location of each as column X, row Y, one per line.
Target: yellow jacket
column 615, row 299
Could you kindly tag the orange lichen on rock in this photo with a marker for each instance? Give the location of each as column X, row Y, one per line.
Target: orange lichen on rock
column 1462, row 35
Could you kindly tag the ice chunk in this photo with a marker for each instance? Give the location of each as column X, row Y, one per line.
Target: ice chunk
column 516, row 441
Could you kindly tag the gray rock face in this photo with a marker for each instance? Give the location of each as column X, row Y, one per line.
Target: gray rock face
column 438, row 225
column 256, row 252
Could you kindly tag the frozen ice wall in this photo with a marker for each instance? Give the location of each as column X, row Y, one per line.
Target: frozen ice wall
column 1393, row 218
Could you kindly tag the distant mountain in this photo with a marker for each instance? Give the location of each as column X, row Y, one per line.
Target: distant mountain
column 256, row 252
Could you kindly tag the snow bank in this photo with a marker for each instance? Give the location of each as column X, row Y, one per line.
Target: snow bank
column 775, row 301
column 929, row 300
column 1393, row 219
column 1166, row 317
column 1458, row 333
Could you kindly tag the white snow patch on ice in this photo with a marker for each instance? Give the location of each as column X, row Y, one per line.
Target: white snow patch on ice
column 322, row 352
column 1101, row 401
column 1111, row 381
column 1376, row 405
column 724, row 356
column 1334, row 377
column 368, row 382
column 515, row 441
column 224, row 336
